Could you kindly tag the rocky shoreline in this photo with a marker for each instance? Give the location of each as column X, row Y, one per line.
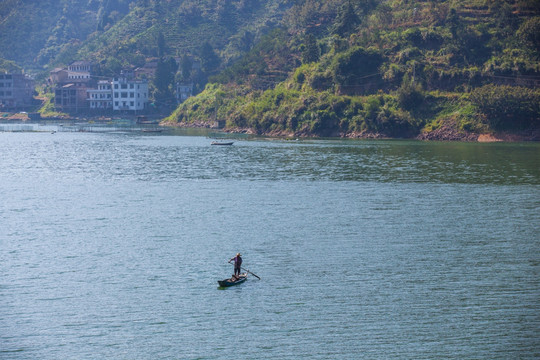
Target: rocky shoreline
column 446, row 132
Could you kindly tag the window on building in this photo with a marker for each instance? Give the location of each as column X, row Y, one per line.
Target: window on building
column 131, row 95
column 131, row 86
column 116, row 103
column 131, row 103
column 124, row 95
column 115, row 95
column 123, row 86
column 116, row 86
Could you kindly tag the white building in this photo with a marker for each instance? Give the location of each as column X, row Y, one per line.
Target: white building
column 83, row 76
column 183, row 91
column 80, row 66
column 102, row 97
column 129, row 95
column 79, row 70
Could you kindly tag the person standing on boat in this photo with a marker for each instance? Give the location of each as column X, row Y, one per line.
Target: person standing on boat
column 237, row 264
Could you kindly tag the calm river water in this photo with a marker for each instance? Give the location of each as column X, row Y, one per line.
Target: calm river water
column 111, row 245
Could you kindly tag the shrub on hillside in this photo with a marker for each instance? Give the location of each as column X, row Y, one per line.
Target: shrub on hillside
column 410, row 96
column 351, row 67
column 508, row 106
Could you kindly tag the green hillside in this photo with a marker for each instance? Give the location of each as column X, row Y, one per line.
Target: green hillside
column 125, row 32
column 35, row 33
column 425, row 69
column 368, row 68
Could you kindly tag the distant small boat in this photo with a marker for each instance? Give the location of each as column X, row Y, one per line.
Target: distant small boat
column 222, row 142
column 152, row 130
column 233, row 281
column 141, row 119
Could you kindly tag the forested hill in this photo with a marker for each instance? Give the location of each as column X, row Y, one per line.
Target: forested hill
column 427, row 69
column 412, row 68
column 35, row 33
column 38, row 35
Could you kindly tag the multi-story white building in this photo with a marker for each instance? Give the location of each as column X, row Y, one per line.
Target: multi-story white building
column 129, row 95
column 79, row 70
column 102, row 97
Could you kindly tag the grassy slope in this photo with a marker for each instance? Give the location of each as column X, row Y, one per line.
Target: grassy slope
column 417, row 40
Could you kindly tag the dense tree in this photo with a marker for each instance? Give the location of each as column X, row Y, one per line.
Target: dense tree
column 185, row 67
column 503, row 14
column 353, row 67
column 210, row 60
column 384, row 14
column 529, row 34
column 346, row 21
column 225, row 11
column 311, row 50
column 508, row 106
column 161, row 46
column 110, row 12
column 410, row 94
column 164, row 81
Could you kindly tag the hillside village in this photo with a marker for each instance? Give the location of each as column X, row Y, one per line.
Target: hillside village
column 77, row 89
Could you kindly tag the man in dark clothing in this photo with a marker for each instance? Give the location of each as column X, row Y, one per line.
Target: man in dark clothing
column 237, row 264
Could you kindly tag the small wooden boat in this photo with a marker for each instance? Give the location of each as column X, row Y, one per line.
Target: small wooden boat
column 141, row 119
column 233, row 281
column 222, row 142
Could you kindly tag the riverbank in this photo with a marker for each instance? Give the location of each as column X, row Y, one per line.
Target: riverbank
column 450, row 132
column 25, row 117
column 446, row 132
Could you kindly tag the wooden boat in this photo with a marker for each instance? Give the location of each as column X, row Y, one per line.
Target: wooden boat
column 233, row 281
column 222, row 142
column 141, row 119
